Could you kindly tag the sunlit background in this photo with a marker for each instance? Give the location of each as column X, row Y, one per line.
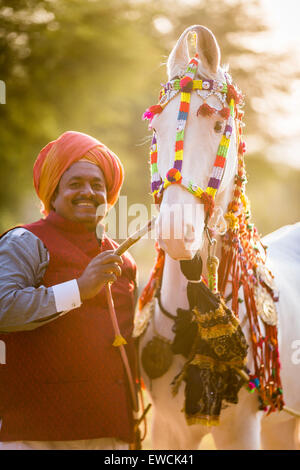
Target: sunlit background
column 96, row 65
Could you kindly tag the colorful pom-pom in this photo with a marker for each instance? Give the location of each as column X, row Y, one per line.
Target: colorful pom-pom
column 225, row 113
column 186, row 84
column 251, row 387
column 205, row 110
column 174, row 176
column 147, row 115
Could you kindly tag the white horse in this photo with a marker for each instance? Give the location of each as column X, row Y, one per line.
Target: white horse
column 242, row 425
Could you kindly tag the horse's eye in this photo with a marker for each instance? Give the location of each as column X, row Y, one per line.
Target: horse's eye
column 218, row 126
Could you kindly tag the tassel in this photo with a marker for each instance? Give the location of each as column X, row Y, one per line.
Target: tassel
column 119, row 340
column 225, row 113
column 150, row 112
column 155, row 279
column 232, row 93
column 208, row 202
column 205, row 110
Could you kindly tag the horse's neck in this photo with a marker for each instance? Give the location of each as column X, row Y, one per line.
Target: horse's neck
column 172, row 295
column 173, row 288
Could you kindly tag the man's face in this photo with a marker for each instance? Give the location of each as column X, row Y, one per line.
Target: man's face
column 80, row 191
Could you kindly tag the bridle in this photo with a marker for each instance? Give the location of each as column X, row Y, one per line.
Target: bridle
column 186, row 85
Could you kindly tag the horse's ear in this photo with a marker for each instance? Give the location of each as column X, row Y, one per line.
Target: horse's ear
column 179, row 56
column 207, row 48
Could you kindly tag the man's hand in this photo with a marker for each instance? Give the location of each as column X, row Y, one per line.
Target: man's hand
column 102, row 269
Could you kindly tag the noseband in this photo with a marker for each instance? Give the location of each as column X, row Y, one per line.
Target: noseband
column 187, row 84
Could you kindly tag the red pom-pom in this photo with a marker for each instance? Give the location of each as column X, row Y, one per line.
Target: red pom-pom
column 186, row 84
column 225, row 113
column 232, row 93
column 205, row 110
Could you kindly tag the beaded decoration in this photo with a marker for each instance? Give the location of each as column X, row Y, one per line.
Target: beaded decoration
column 243, row 265
column 186, row 85
column 243, row 258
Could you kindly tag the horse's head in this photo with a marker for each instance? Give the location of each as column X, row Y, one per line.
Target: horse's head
column 194, row 143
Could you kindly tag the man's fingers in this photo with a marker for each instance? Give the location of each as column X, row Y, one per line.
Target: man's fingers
column 111, row 268
column 108, row 257
column 109, row 277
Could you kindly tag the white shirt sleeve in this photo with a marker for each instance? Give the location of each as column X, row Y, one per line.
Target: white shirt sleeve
column 66, row 295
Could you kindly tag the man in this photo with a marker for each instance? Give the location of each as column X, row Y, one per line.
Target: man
column 63, row 384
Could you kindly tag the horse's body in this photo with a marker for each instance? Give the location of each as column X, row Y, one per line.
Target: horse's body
column 240, row 424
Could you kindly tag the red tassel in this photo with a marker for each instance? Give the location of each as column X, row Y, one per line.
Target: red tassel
column 205, row 110
column 155, row 278
column 225, row 113
column 232, row 93
column 150, row 112
column 155, row 109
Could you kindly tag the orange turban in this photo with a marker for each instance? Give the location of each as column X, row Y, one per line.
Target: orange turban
column 60, row 154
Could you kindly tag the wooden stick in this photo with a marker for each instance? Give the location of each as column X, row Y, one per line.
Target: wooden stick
column 121, row 348
column 119, row 251
column 135, row 237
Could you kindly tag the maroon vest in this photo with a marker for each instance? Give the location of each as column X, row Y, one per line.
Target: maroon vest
column 65, row 380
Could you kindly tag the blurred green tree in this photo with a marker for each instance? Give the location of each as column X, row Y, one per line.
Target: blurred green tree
column 94, row 66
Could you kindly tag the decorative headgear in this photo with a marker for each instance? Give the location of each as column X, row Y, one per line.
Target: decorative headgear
column 224, row 91
column 57, row 156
